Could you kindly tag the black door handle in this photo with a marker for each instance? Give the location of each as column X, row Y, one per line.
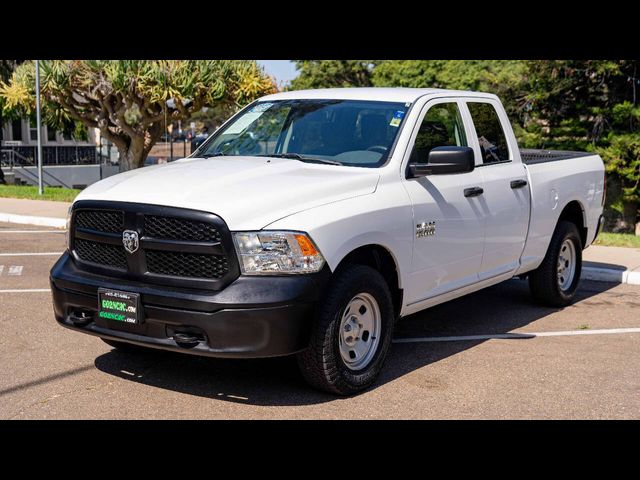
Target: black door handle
column 473, row 191
column 518, row 183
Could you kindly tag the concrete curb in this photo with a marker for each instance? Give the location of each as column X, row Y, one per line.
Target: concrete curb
column 30, row 220
column 610, row 275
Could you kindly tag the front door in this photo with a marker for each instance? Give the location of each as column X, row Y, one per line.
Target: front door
column 449, row 226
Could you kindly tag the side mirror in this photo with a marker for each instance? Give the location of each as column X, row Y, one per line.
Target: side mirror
column 444, row 160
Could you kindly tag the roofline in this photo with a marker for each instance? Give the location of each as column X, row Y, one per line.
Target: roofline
column 392, row 94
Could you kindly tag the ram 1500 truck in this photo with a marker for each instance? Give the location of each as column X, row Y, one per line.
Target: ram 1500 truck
column 312, row 220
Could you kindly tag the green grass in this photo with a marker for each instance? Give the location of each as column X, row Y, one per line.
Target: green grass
column 618, row 240
column 50, row 193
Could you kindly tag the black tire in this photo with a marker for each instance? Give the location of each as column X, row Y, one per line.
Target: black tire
column 321, row 363
column 543, row 282
column 124, row 346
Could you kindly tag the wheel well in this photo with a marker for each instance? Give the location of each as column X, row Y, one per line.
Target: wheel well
column 574, row 213
column 378, row 258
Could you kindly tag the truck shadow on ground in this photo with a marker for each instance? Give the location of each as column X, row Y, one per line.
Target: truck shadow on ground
column 277, row 382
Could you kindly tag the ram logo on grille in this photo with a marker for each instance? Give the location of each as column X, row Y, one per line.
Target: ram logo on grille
column 130, row 241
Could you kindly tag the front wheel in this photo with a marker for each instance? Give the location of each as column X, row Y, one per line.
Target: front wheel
column 555, row 281
column 351, row 334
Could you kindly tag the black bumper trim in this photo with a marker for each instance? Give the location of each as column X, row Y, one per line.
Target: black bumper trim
column 252, row 317
column 599, row 227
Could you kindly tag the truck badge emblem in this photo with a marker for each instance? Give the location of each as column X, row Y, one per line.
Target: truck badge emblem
column 130, row 241
column 425, row 229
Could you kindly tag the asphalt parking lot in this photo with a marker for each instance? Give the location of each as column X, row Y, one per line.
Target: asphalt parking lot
column 493, row 354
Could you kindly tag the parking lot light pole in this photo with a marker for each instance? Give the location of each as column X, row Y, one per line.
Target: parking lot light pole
column 39, row 126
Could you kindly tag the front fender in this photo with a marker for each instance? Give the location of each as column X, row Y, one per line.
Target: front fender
column 382, row 218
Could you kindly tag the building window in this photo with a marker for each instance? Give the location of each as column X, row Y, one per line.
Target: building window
column 33, row 130
column 51, row 134
column 16, row 130
column 67, row 132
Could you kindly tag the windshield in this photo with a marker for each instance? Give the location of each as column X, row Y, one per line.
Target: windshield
column 341, row 132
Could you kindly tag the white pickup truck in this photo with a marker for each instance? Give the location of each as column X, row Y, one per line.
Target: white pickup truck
column 312, row 220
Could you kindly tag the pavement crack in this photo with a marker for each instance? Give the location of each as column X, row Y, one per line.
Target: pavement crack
column 46, row 400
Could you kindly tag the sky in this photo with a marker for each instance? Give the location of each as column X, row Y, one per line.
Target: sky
column 282, row 70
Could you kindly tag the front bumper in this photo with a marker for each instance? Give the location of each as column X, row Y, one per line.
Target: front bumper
column 252, row 317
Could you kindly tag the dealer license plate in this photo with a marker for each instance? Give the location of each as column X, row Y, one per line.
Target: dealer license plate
column 119, row 306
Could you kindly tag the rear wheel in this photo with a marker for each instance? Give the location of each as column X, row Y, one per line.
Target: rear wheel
column 555, row 282
column 352, row 333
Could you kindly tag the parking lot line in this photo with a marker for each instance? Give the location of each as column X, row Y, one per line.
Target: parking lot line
column 39, row 254
column 517, row 336
column 26, row 290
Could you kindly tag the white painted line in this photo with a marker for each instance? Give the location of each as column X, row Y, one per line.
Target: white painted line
column 26, row 290
column 36, row 254
column 29, row 220
column 517, row 336
column 34, row 231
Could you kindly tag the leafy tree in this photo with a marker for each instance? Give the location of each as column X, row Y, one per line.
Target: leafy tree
column 591, row 105
column 6, row 68
column 213, row 117
column 332, row 73
column 502, row 77
column 129, row 100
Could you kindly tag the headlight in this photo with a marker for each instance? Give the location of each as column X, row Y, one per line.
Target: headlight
column 273, row 252
column 67, row 233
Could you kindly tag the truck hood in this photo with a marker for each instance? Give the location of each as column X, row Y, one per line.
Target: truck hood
column 247, row 192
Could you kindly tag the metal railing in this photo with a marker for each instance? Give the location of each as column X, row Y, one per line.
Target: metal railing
column 56, row 154
column 14, row 159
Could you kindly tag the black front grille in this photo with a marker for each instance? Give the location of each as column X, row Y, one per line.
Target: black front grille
column 179, row 264
column 171, row 228
column 101, row 253
column 176, row 247
column 110, row 221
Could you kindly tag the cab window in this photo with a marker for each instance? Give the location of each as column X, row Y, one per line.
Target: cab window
column 441, row 127
column 491, row 137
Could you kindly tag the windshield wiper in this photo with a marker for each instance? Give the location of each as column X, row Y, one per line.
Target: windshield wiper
column 209, row 155
column 302, row 158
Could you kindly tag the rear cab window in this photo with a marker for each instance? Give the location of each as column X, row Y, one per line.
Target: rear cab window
column 491, row 137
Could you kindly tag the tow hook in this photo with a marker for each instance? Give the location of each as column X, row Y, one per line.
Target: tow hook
column 186, row 340
column 80, row 318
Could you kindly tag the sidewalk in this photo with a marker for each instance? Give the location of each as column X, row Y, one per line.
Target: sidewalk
column 606, row 264
column 34, row 212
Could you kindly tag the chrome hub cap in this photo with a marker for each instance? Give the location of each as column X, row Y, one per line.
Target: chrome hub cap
column 566, row 264
column 359, row 331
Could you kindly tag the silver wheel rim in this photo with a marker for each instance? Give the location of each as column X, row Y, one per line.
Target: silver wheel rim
column 566, row 264
column 359, row 333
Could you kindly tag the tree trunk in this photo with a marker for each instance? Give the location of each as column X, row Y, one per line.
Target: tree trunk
column 627, row 221
column 132, row 155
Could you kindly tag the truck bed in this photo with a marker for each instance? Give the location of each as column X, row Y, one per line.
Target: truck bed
column 531, row 156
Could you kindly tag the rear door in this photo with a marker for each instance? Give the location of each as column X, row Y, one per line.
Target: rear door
column 448, row 227
column 506, row 199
